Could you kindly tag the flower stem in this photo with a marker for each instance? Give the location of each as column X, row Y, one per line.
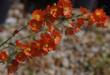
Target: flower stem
column 2, row 44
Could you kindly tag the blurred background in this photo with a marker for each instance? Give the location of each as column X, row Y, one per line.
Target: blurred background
column 86, row 53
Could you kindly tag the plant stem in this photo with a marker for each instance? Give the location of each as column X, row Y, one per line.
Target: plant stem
column 12, row 36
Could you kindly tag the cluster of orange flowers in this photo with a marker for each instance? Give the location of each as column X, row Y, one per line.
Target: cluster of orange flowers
column 99, row 17
column 43, row 23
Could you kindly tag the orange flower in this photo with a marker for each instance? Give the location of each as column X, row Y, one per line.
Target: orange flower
column 52, row 13
column 72, row 24
column 12, row 68
column 69, row 30
column 99, row 12
column 47, row 41
column 67, row 12
column 49, row 46
column 56, row 36
column 20, row 44
column 63, row 3
column 24, row 47
column 37, row 53
column 37, row 48
column 3, row 55
column 38, row 15
column 46, row 37
column 99, row 17
column 72, row 31
column 36, row 44
column 50, row 26
column 80, row 22
column 35, row 25
column 33, row 49
column 56, row 11
column 83, row 10
column 75, row 30
column 92, row 18
column 20, row 57
column 66, row 5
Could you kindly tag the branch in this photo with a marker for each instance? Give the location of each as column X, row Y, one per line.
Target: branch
column 2, row 44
